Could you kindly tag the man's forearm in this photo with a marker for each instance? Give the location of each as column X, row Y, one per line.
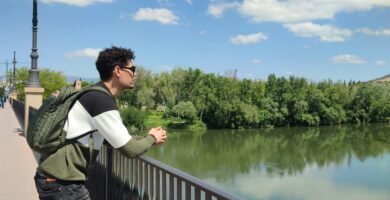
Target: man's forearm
column 137, row 146
column 138, row 137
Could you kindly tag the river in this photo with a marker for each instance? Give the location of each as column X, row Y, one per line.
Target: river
column 322, row 163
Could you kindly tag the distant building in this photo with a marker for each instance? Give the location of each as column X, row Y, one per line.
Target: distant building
column 77, row 84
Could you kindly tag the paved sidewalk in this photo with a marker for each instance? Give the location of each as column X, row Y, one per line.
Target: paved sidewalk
column 17, row 162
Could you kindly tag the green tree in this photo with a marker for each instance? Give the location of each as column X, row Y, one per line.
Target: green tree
column 185, row 110
column 86, row 83
column 50, row 81
column 132, row 116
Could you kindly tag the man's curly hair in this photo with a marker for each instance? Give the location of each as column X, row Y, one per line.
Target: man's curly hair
column 111, row 57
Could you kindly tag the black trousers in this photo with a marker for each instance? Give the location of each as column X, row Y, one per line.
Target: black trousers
column 60, row 190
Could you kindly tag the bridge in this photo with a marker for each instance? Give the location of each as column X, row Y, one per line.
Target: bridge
column 113, row 177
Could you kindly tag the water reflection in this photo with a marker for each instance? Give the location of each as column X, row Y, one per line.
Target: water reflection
column 283, row 156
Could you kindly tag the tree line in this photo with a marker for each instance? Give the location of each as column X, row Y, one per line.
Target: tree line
column 226, row 102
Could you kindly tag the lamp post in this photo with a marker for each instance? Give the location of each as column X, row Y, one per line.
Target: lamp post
column 14, row 79
column 33, row 79
column 6, row 69
column 7, row 76
column 33, row 91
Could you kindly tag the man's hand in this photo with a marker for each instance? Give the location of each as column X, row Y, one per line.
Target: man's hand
column 158, row 133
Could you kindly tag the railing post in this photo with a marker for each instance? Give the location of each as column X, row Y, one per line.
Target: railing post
column 151, row 182
column 179, row 188
column 164, row 185
column 158, row 191
column 12, row 96
column 108, row 172
column 171, row 187
column 188, row 190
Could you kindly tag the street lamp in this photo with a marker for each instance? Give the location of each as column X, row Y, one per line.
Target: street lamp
column 7, row 76
column 33, row 79
column 14, row 62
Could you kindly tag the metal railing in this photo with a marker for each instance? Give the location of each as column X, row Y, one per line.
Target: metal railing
column 18, row 108
column 116, row 177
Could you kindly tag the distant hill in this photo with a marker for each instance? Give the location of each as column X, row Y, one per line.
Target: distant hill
column 382, row 79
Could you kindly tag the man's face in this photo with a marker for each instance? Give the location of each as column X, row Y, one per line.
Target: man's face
column 128, row 77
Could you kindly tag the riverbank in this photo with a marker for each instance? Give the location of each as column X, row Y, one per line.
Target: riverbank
column 150, row 119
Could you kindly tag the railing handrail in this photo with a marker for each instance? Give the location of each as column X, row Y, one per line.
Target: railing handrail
column 21, row 102
column 187, row 177
column 19, row 109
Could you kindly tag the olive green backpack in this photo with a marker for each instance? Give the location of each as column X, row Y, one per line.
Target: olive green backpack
column 45, row 132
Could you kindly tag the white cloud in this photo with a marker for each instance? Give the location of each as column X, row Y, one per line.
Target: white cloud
column 189, row 2
column 367, row 31
column 162, row 15
column 218, row 9
column 81, row 3
column 380, row 62
column 287, row 11
column 202, row 32
column 248, row 39
column 326, row 33
column 88, row 52
column 348, row 58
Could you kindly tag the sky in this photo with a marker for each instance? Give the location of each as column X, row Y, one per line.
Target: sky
column 317, row 39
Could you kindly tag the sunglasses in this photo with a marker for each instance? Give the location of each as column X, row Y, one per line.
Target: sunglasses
column 132, row 68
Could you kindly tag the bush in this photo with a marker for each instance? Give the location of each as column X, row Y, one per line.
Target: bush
column 185, row 110
column 131, row 116
column 198, row 125
column 154, row 119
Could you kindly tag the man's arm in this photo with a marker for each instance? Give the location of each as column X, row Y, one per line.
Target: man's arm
column 106, row 119
column 140, row 144
column 136, row 147
column 110, row 125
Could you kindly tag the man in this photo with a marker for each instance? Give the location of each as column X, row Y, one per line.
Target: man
column 62, row 174
column 2, row 101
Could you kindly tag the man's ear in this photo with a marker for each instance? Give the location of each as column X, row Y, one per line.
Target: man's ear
column 116, row 72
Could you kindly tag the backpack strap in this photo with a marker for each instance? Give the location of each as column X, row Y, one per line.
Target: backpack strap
column 74, row 140
column 94, row 88
column 90, row 141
